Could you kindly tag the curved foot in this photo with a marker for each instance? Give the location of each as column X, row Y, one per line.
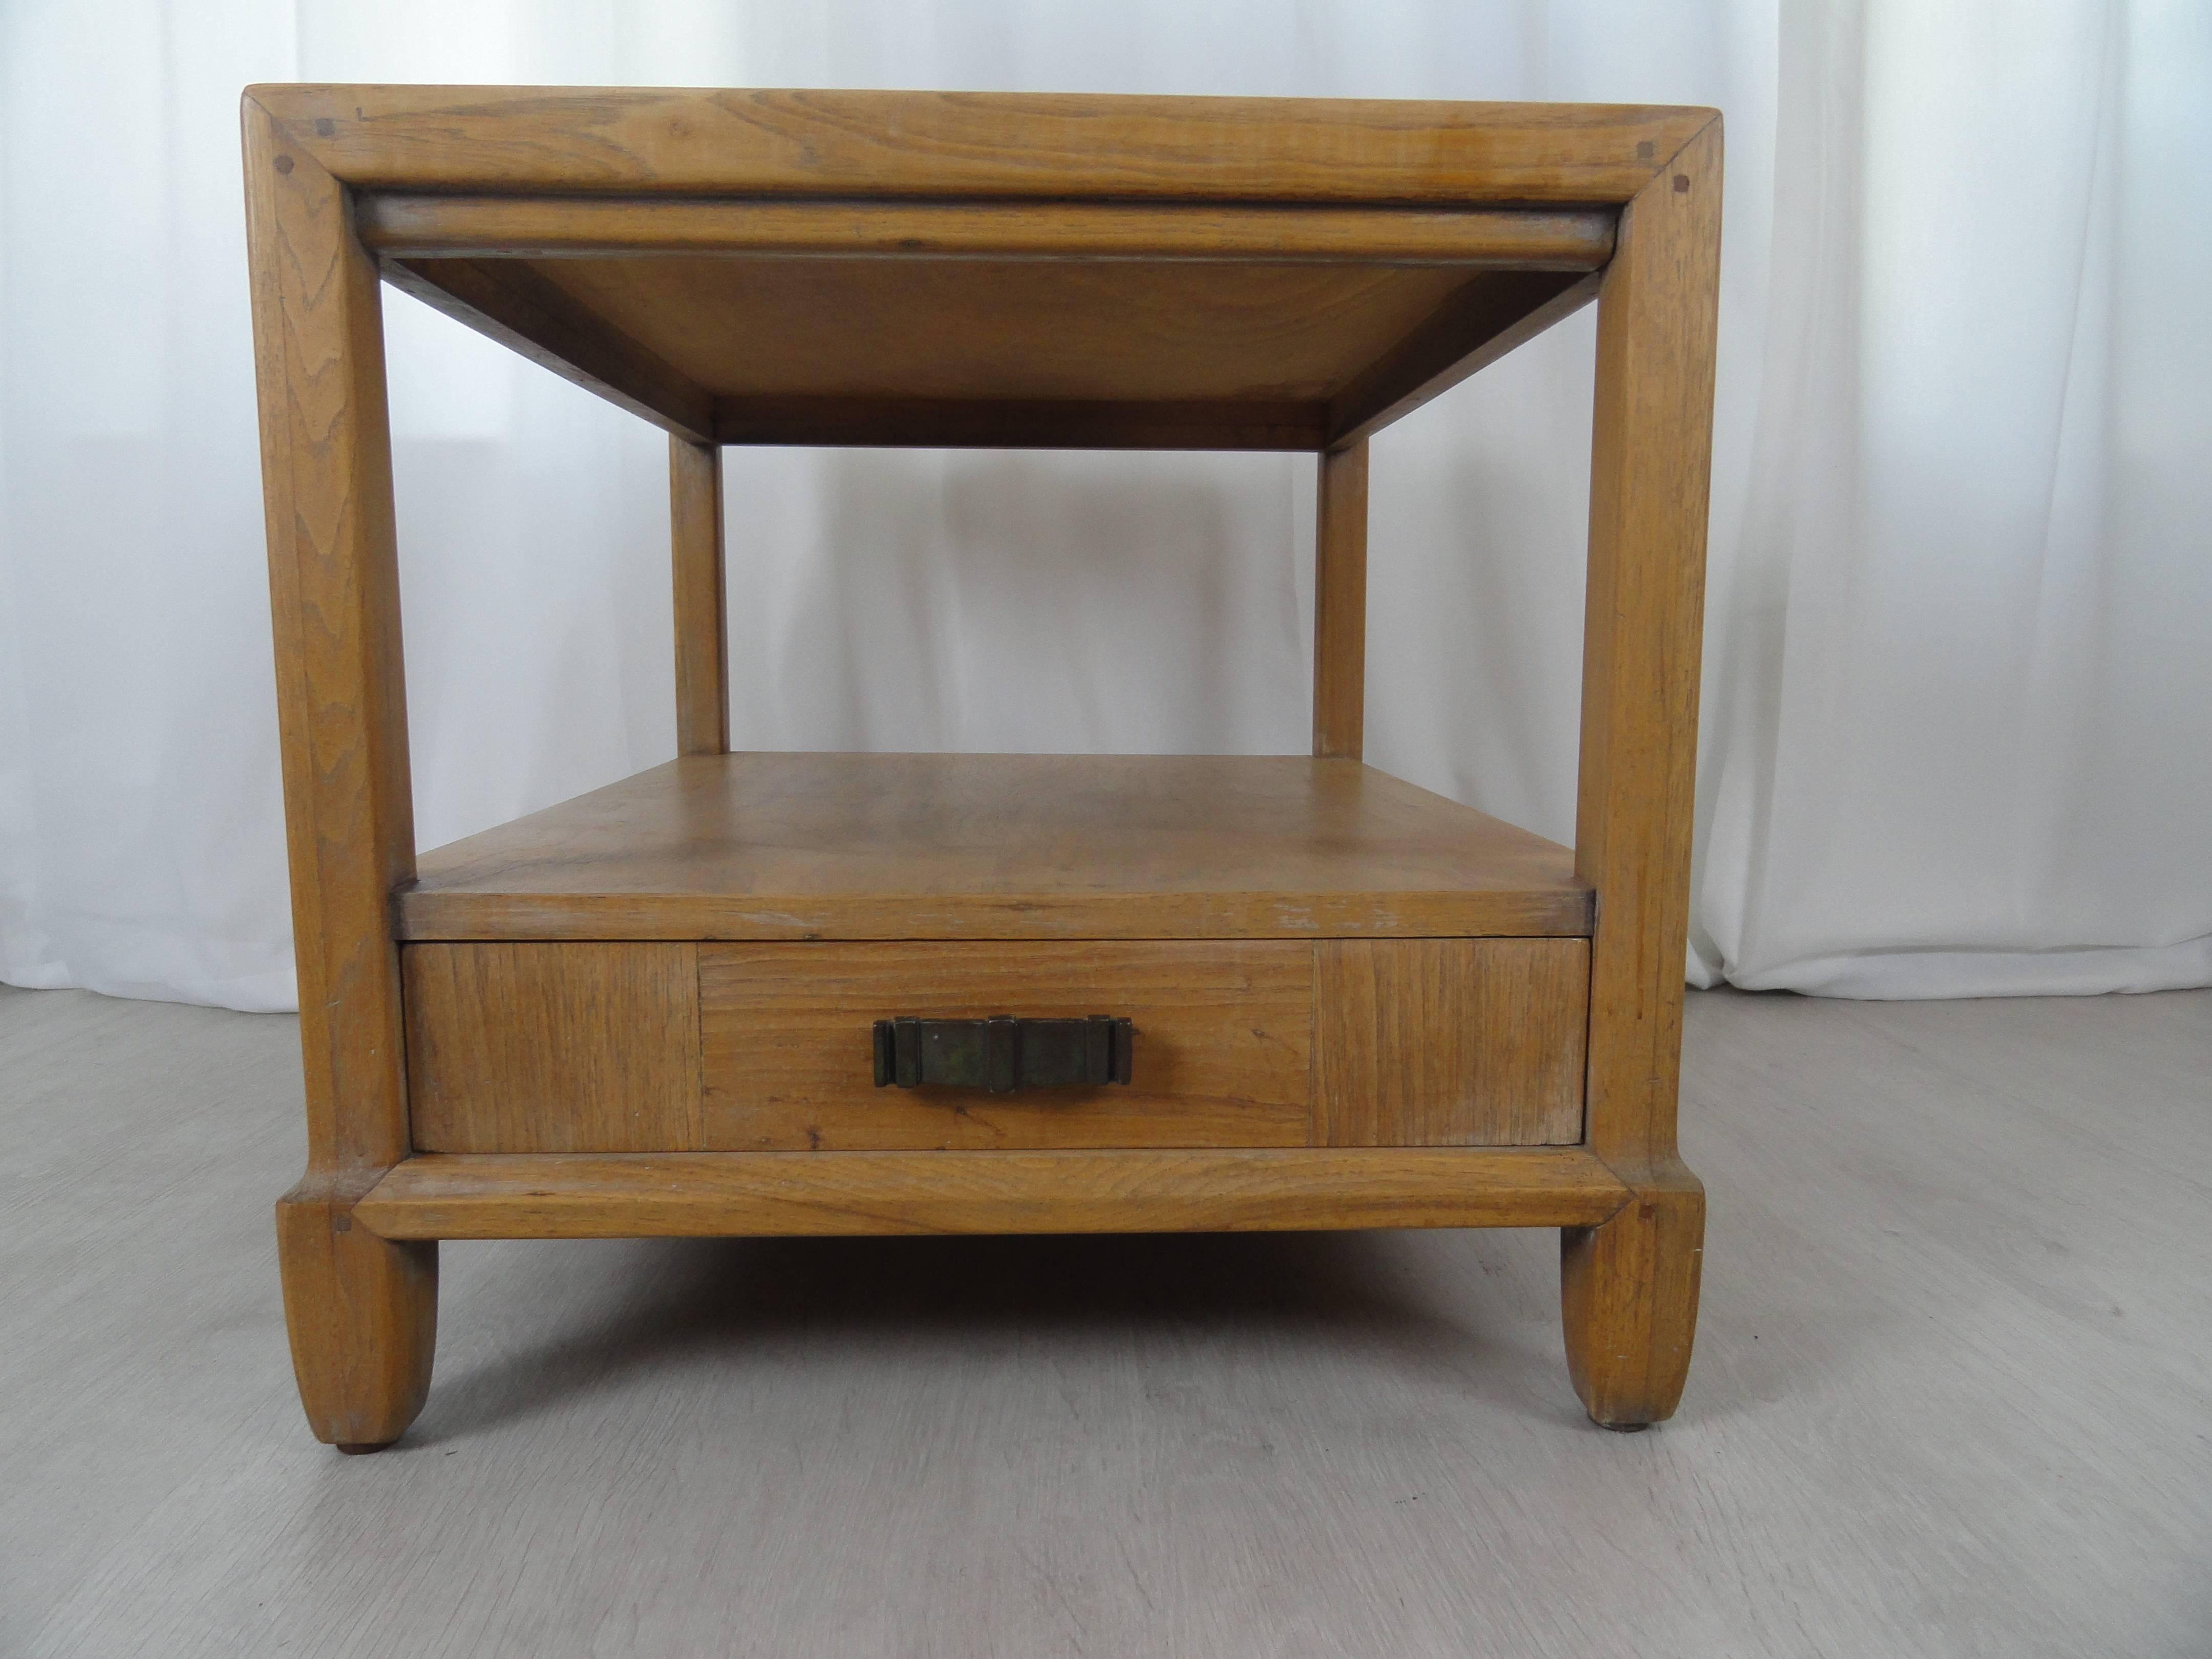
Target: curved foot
column 362, row 1315
column 356, row 1449
column 1628, row 1291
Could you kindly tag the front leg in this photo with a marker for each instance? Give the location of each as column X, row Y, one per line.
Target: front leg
column 362, row 1314
column 1629, row 1292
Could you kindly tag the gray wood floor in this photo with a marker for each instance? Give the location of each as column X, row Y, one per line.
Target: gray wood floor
column 1951, row 1394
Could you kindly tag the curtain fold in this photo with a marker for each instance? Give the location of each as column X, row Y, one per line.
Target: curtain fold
column 1962, row 740
column 1958, row 687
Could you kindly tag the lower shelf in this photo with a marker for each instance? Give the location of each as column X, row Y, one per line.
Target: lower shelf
column 736, row 1194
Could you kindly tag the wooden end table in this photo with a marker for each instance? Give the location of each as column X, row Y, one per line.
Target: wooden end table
column 773, row 993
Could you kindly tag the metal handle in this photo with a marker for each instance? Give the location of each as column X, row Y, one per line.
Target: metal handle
column 1002, row 1054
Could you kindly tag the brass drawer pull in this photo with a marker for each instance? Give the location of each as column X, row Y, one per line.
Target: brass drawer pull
column 1002, row 1054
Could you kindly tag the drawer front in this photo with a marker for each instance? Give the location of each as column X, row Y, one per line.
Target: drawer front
column 552, row 1048
column 1449, row 1042
column 1221, row 1054
column 675, row 1047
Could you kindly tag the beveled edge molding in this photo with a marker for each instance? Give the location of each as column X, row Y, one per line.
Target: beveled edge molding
column 590, row 141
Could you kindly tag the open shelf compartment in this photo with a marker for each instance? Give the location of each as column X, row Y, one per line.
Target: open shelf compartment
column 775, row 846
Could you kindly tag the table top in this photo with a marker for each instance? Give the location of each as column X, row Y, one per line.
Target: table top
column 999, row 270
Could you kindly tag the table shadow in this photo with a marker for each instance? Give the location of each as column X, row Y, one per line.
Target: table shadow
column 662, row 1302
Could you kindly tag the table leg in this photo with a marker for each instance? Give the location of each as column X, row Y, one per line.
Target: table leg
column 362, row 1312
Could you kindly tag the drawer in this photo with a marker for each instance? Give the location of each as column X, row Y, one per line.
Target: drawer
column 1221, row 1054
column 540, row 1046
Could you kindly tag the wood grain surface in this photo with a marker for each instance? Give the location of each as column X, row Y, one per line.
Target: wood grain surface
column 947, row 350
column 1628, row 1299
column 334, row 604
column 699, row 583
column 402, row 227
column 916, row 345
column 1643, row 626
column 1222, row 1050
column 983, row 329
column 1339, row 659
column 508, row 301
column 1098, row 327
column 445, row 1195
column 1038, row 271
column 1629, row 1292
column 1449, row 1041
column 1475, row 326
column 363, row 1316
column 581, row 1047
column 810, row 846
column 583, row 141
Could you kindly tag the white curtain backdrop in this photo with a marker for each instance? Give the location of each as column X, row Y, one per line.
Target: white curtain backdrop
column 1959, row 692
